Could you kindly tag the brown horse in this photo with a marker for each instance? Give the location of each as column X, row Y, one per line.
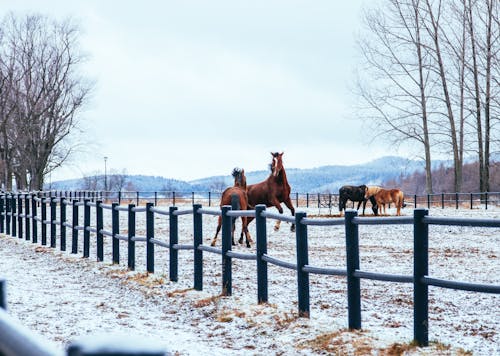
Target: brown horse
column 387, row 196
column 240, row 191
column 273, row 191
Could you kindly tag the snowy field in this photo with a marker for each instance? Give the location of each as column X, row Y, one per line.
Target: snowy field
column 62, row 296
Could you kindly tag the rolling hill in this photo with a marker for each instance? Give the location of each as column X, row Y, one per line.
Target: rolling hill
column 312, row 180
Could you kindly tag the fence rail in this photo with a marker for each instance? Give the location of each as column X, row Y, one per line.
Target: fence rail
column 14, row 206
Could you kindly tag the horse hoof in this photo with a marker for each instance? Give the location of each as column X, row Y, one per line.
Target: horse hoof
column 276, row 228
column 212, row 244
column 292, row 229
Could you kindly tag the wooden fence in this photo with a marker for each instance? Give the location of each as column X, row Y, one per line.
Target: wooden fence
column 22, row 214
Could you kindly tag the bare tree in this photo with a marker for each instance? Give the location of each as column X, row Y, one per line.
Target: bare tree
column 431, row 70
column 47, row 94
column 92, row 181
column 218, row 185
column 117, row 180
column 396, row 84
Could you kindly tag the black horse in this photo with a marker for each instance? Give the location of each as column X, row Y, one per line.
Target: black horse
column 355, row 193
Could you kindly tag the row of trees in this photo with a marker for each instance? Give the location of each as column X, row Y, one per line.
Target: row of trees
column 41, row 94
column 431, row 77
column 443, row 180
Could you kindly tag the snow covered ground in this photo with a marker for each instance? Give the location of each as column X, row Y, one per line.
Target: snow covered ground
column 63, row 296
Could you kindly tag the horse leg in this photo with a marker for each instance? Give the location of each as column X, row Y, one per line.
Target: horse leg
column 245, row 230
column 364, row 205
column 342, row 203
column 277, row 205
column 289, row 205
column 243, row 225
column 249, row 219
column 374, row 205
column 219, row 225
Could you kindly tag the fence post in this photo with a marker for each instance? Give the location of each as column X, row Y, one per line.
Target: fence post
column 74, row 230
column 34, row 223
column 173, row 240
column 415, row 201
column 442, row 200
column 307, row 200
column 227, row 287
column 353, row 283
column 486, row 201
column 115, row 229
column 209, row 198
column 27, row 217
column 62, row 216
column 2, row 214
column 197, row 241
column 150, row 234
column 137, row 198
column 14, row 214
column 3, row 294
column 43, row 208
column 420, row 269
column 115, row 226
column 131, row 236
column 456, row 200
column 86, row 225
column 471, row 200
column 261, row 230
column 53, row 206
column 19, row 216
column 302, row 260
column 428, row 201
column 7, row 214
column 99, row 227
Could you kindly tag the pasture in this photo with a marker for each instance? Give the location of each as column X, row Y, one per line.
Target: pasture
column 117, row 299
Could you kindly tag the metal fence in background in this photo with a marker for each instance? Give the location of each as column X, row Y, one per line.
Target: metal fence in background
column 326, row 203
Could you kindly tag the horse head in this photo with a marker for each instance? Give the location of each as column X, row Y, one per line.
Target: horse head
column 239, row 178
column 277, row 163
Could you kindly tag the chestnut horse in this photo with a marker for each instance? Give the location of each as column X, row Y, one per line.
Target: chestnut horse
column 387, row 196
column 273, row 191
column 240, row 191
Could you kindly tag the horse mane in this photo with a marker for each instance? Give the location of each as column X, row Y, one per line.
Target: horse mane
column 239, row 177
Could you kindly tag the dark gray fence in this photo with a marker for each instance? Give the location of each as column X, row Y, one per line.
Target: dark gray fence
column 15, row 214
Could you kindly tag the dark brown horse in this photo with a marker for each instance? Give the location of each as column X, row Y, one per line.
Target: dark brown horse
column 273, row 191
column 240, row 191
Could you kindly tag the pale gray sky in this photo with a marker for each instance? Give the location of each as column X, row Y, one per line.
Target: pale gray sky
column 189, row 89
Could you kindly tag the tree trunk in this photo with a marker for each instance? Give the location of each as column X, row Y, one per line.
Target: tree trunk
column 487, row 99
column 457, row 164
column 423, row 104
column 477, row 100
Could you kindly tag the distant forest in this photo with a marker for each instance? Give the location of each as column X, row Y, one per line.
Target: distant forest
column 443, row 180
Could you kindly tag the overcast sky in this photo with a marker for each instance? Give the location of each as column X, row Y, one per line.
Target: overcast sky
column 189, row 89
